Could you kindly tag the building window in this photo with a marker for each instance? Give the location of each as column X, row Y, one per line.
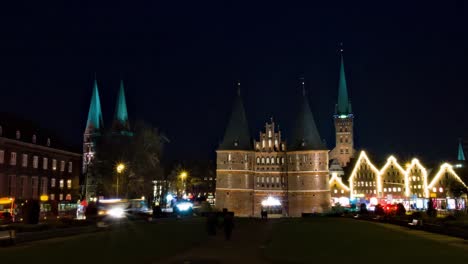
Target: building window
column 44, row 163
column 2, row 156
column 258, row 160
column 269, row 133
column 229, row 157
column 68, row 197
column 34, row 187
column 54, row 164
column 61, row 183
column 263, row 160
column 52, row 182
column 440, row 189
column 24, row 162
column 267, row 160
column 341, row 151
column 13, row 159
column 52, row 197
column 61, row 197
column 62, row 165
column 23, row 184
column 35, row 162
column 12, row 185
column 69, row 184
column 43, row 185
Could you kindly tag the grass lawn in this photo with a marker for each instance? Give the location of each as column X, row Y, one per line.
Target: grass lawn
column 337, row 240
column 137, row 243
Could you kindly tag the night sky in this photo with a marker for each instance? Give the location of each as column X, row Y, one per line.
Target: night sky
column 406, row 67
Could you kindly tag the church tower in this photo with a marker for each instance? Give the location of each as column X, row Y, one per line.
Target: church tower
column 121, row 125
column 307, row 158
column 93, row 130
column 344, row 147
column 234, row 164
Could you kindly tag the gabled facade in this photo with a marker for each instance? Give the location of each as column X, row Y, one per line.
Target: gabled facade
column 417, row 179
column 394, row 180
column 364, row 180
column 443, row 181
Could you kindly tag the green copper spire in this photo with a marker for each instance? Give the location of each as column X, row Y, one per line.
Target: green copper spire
column 95, row 114
column 344, row 105
column 461, row 154
column 237, row 136
column 121, row 114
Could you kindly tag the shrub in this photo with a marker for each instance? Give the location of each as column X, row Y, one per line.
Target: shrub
column 431, row 211
column 400, row 211
column 379, row 210
column 363, row 209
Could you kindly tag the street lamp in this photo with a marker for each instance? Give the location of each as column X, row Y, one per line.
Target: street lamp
column 183, row 176
column 119, row 168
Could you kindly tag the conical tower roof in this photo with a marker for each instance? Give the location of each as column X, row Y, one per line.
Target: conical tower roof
column 237, row 136
column 305, row 133
column 461, row 153
column 344, row 105
column 95, row 121
column 121, row 114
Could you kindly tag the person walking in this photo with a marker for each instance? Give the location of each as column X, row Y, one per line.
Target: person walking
column 228, row 225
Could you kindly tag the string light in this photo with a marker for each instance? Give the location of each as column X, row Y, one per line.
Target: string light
column 392, row 160
column 416, row 163
column 363, row 157
column 339, row 181
column 445, row 168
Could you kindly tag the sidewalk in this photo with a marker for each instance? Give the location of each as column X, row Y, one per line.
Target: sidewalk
column 246, row 246
column 448, row 240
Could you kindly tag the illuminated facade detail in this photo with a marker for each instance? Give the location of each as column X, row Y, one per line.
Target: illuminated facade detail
column 282, row 180
column 444, row 180
column 417, row 179
column 365, row 172
column 343, row 118
column 394, row 180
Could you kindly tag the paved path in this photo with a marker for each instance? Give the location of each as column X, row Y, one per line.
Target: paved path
column 448, row 240
column 248, row 241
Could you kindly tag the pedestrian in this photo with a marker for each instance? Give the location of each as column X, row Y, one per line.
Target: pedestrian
column 228, row 225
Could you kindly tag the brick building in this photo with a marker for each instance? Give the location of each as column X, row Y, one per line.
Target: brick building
column 31, row 167
column 268, row 174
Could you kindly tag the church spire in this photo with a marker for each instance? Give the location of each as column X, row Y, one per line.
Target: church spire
column 344, row 105
column 121, row 114
column 237, row 134
column 95, row 121
column 461, row 153
column 305, row 133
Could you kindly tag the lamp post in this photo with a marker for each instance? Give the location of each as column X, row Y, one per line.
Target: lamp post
column 119, row 168
column 183, row 176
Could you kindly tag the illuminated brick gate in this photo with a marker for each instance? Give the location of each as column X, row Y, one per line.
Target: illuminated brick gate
column 296, row 174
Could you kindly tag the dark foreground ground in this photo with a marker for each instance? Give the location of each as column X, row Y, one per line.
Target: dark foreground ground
column 316, row 240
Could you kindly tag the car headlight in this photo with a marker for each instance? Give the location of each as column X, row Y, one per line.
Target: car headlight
column 116, row 212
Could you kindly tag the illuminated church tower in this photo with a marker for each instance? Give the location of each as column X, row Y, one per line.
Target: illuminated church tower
column 121, row 125
column 234, row 164
column 344, row 147
column 93, row 130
